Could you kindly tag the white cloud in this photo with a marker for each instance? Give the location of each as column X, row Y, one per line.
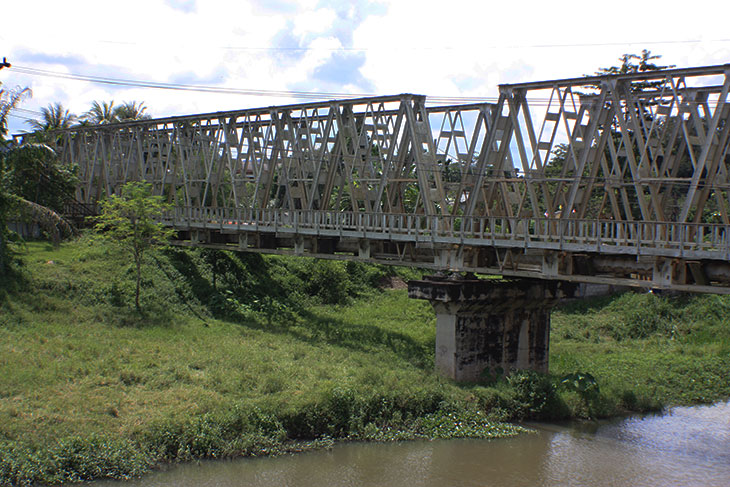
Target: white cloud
column 457, row 48
column 313, row 21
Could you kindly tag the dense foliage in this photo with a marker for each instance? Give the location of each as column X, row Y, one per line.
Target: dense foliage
column 34, row 173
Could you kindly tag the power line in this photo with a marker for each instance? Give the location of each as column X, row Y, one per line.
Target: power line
column 222, row 90
column 308, row 95
column 182, row 87
column 21, row 117
column 25, row 110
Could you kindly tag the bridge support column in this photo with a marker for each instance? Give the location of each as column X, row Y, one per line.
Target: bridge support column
column 484, row 326
column 298, row 245
column 364, row 249
column 242, row 241
column 198, row 236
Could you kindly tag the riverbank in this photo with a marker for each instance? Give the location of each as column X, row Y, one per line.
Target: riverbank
column 247, row 355
column 686, row 446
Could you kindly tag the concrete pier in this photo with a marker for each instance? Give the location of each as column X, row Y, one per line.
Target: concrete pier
column 484, row 326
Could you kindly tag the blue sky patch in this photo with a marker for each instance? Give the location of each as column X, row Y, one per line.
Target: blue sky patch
column 187, row 6
column 343, row 68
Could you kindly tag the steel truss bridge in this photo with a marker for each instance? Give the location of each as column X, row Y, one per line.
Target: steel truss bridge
column 619, row 179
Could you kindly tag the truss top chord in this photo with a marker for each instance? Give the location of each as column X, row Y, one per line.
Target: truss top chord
column 644, row 75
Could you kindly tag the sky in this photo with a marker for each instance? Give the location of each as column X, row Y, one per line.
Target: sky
column 453, row 48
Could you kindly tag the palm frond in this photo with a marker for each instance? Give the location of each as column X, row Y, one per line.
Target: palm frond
column 53, row 117
column 53, row 224
column 10, row 99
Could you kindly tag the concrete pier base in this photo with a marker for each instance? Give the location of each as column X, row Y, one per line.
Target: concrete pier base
column 487, row 326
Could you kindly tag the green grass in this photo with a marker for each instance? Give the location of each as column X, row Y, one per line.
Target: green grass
column 645, row 350
column 241, row 355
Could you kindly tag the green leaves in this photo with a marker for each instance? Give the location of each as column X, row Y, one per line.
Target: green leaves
column 466, row 423
column 54, row 117
column 9, row 99
column 131, row 220
column 533, row 393
column 581, row 382
column 34, row 186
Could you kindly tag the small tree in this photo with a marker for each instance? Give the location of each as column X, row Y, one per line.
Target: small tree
column 131, row 221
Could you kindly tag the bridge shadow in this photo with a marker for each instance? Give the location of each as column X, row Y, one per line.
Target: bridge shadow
column 242, row 279
column 11, row 283
column 587, row 305
column 250, row 297
column 320, row 328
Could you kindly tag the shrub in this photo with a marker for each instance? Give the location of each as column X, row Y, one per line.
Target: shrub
column 328, row 280
column 72, row 459
column 533, row 393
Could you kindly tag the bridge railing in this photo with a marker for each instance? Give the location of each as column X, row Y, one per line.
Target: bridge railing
column 701, row 240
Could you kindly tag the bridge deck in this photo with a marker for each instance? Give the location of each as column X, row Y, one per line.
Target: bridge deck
column 646, row 254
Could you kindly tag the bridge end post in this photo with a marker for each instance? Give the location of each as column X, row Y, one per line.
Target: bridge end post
column 484, row 326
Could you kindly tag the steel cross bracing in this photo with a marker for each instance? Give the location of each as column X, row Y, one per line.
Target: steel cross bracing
column 608, row 179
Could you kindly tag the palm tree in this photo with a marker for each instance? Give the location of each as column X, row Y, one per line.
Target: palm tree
column 9, row 99
column 131, row 110
column 54, row 117
column 100, row 113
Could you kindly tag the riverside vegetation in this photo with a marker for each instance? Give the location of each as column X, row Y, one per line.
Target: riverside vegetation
column 243, row 354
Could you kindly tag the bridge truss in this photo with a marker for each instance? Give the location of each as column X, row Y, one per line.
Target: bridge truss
column 618, row 179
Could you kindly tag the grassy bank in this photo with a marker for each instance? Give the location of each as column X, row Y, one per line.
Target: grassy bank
column 645, row 351
column 248, row 355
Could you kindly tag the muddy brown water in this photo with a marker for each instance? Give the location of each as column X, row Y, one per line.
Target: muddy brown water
column 684, row 447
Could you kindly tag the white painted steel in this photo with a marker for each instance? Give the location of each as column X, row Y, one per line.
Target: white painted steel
column 634, row 166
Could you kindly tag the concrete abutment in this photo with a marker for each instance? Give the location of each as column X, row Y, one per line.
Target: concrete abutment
column 487, row 326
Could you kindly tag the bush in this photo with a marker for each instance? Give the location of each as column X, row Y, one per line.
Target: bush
column 329, row 281
column 73, row 459
column 242, row 430
column 344, row 412
column 533, row 393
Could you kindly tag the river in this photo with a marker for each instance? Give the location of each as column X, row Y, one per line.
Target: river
column 683, row 447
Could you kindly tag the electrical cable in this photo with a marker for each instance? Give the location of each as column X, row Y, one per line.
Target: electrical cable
column 184, row 87
column 237, row 91
column 252, row 92
column 22, row 117
column 27, row 111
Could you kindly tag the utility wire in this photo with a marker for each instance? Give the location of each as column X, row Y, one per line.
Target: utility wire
column 535, row 101
column 26, row 110
column 22, row 117
column 222, row 90
column 182, row 87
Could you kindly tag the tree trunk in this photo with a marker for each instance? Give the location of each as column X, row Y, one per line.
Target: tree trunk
column 138, row 262
column 2, row 255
